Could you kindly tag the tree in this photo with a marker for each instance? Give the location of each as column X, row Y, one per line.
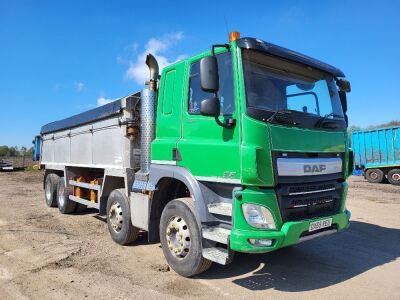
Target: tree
column 29, row 152
column 23, row 150
column 3, row 150
column 13, row 151
column 389, row 124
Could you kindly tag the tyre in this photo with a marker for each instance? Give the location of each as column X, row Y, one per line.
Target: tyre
column 374, row 175
column 119, row 218
column 65, row 205
column 50, row 190
column 181, row 239
column 393, row 176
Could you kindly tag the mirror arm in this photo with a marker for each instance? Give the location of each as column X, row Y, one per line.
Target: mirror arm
column 227, row 46
column 230, row 123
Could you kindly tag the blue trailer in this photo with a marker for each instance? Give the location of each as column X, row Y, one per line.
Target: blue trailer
column 377, row 153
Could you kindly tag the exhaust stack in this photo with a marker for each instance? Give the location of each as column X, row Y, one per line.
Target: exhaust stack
column 151, row 62
column 147, row 100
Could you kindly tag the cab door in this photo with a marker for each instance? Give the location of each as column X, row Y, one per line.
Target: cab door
column 168, row 118
column 209, row 151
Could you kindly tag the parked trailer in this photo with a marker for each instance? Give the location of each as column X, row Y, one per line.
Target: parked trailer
column 377, row 153
column 207, row 166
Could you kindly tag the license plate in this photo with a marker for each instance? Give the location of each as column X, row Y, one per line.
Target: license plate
column 8, row 168
column 320, row 224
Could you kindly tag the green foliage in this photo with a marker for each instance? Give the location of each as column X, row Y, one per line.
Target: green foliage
column 384, row 125
column 6, row 151
column 371, row 127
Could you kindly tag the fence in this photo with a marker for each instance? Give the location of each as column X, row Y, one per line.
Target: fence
column 20, row 162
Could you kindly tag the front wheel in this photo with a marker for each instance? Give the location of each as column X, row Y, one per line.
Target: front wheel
column 181, row 239
column 393, row 176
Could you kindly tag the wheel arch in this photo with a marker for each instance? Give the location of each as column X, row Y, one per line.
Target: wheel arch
column 171, row 182
column 110, row 183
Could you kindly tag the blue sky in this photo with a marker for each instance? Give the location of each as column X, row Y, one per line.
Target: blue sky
column 59, row 58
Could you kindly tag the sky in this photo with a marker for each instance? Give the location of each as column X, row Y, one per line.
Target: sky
column 60, row 58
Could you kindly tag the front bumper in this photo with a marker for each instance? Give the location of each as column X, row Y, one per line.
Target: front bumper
column 289, row 234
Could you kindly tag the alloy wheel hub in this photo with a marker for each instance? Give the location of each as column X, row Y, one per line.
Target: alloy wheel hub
column 115, row 217
column 178, row 237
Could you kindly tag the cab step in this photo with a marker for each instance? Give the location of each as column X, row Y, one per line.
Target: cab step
column 221, row 208
column 218, row 255
column 216, row 234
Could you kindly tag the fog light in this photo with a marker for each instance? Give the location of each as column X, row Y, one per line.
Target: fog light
column 258, row 216
column 260, row 243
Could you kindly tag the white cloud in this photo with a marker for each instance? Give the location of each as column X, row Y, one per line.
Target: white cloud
column 79, row 86
column 138, row 71
column 102, row 101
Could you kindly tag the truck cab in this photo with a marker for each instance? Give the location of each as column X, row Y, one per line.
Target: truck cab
column 273, row 158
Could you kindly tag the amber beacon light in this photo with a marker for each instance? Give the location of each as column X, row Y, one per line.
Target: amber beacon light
column 234, row 35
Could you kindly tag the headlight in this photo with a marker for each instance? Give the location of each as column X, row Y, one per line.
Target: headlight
column 258, row 216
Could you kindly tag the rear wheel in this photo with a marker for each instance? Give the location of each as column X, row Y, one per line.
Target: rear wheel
column 393, row 176
column 65, row 205
column 181, row 239
column 50, row 190
column 119, row 218
column 374, row 175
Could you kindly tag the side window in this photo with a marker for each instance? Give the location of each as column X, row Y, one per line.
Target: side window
column 225, row 93
column 169, row 87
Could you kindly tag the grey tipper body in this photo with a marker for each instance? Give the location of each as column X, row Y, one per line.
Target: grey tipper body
column 100, row 145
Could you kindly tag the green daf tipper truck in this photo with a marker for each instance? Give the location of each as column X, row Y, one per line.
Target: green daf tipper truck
column 242, row 148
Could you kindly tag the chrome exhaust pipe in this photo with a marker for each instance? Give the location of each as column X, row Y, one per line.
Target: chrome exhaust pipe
column 152, row 63
column 147, row 109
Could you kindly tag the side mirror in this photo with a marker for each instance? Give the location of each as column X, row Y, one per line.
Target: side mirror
column 343, row 100
column 210, row 107
column 209, row 78
column 344, row 85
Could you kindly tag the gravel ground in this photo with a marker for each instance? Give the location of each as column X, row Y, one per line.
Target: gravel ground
column 44, row 254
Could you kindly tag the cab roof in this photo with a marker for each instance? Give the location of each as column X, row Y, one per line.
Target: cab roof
column 259, row 45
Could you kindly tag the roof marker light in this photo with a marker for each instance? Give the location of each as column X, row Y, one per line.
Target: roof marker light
column 234, row 35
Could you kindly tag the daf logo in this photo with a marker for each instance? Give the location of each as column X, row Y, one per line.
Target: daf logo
column 314, row 168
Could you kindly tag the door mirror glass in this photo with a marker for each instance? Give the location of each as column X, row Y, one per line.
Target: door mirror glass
column 209, row 79
column 210, row 107
column 344, row 85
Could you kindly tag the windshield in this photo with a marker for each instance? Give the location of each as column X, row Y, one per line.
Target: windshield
column 274, row 84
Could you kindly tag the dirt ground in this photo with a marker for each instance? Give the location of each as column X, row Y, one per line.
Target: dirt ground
column 44, row 254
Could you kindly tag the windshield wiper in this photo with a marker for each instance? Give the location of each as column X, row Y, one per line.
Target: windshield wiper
column 282, row 116
column 321, row 120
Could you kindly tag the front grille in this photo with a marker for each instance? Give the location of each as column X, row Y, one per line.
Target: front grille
column 308, row 189
column 306, row 201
